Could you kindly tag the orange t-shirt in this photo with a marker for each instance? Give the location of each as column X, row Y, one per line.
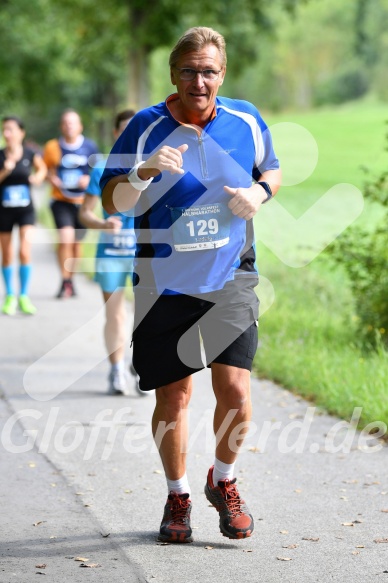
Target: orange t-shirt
column 69, row 164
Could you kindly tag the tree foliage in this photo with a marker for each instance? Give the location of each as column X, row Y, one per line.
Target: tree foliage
column 99, row 56
column 96, row 55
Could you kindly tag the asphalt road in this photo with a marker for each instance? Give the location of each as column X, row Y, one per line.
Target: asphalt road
column 82, row 489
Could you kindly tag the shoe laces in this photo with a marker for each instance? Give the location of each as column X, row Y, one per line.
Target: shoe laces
column 231, row 496
column 179, row 505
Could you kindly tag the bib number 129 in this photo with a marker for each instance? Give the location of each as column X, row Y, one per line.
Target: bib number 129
column 202, row 227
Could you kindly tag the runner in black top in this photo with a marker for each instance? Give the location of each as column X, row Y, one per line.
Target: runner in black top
column 16, row 208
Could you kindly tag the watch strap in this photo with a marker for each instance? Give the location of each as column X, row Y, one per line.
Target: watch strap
column 267, row 189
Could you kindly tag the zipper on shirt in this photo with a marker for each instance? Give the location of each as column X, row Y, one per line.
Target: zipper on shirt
column 202, row 157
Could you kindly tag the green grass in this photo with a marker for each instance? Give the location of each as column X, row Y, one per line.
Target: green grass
column 308, row 337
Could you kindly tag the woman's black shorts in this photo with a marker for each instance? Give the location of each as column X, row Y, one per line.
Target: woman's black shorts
column 22, row 216
column 166, row 337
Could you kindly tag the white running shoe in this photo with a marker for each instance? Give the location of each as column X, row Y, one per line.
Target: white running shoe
column 118, row 382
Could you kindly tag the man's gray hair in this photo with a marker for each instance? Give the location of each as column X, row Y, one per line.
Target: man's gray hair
column 195, row 39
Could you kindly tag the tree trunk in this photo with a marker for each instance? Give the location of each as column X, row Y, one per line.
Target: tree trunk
column 138, row 83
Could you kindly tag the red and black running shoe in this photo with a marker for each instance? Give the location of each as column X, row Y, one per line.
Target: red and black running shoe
column 67, row 289
column 235, row 519
column 175, row 525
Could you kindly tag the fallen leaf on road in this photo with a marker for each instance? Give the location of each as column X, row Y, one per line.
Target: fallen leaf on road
column 82, row 559
column 161, row 544
column 284, row 559
column 381, row 540
column 283, row 531
column 254, row 449
column 32, row 465
column 298, row 490
column 355, row 552
column 290, row 546
column 314, row 539
column 347, row 523
column 40, row 573
column 42, row 566
column 157, row 471
column 384, row 510
column 39, row 522
column 209, row 548
column 247, row 551
column 90, row 565
column 360, row 547
column 350, row 481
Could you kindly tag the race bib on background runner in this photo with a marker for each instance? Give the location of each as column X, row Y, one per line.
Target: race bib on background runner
column 70, row 178
column 198, row 228
column 16, row 196
column 119, row 245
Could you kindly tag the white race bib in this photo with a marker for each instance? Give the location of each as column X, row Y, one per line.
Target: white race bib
column 198, row 228
column 16, row 196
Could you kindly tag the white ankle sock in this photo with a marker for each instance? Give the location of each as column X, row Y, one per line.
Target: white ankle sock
column 222, row 471
column 180, row 486
column 118, row 365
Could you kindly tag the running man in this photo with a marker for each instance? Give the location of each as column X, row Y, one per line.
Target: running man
column 195, row 169
column 68, row 172
column 20, row 168
column 114, row 264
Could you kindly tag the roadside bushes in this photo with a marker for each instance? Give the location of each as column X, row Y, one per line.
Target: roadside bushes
column 364, row 256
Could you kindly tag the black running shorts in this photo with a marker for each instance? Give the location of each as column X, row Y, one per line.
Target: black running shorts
column 66, row 215
column 166, row 337
column 22, row 216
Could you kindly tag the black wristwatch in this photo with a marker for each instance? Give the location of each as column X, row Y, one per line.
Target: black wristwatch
column 267, row 189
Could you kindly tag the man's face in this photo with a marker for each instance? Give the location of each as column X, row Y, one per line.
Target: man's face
column 199, row 94
column 71, row 126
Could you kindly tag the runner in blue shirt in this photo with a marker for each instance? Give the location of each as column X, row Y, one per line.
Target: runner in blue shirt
column 67, row 160
column 114, row 264
column 195, row 170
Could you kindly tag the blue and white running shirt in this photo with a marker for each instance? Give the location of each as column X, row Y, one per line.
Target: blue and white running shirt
column 188, row 241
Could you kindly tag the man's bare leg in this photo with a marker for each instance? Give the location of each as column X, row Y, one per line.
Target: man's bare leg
column 231, row 387
column 169, row 426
